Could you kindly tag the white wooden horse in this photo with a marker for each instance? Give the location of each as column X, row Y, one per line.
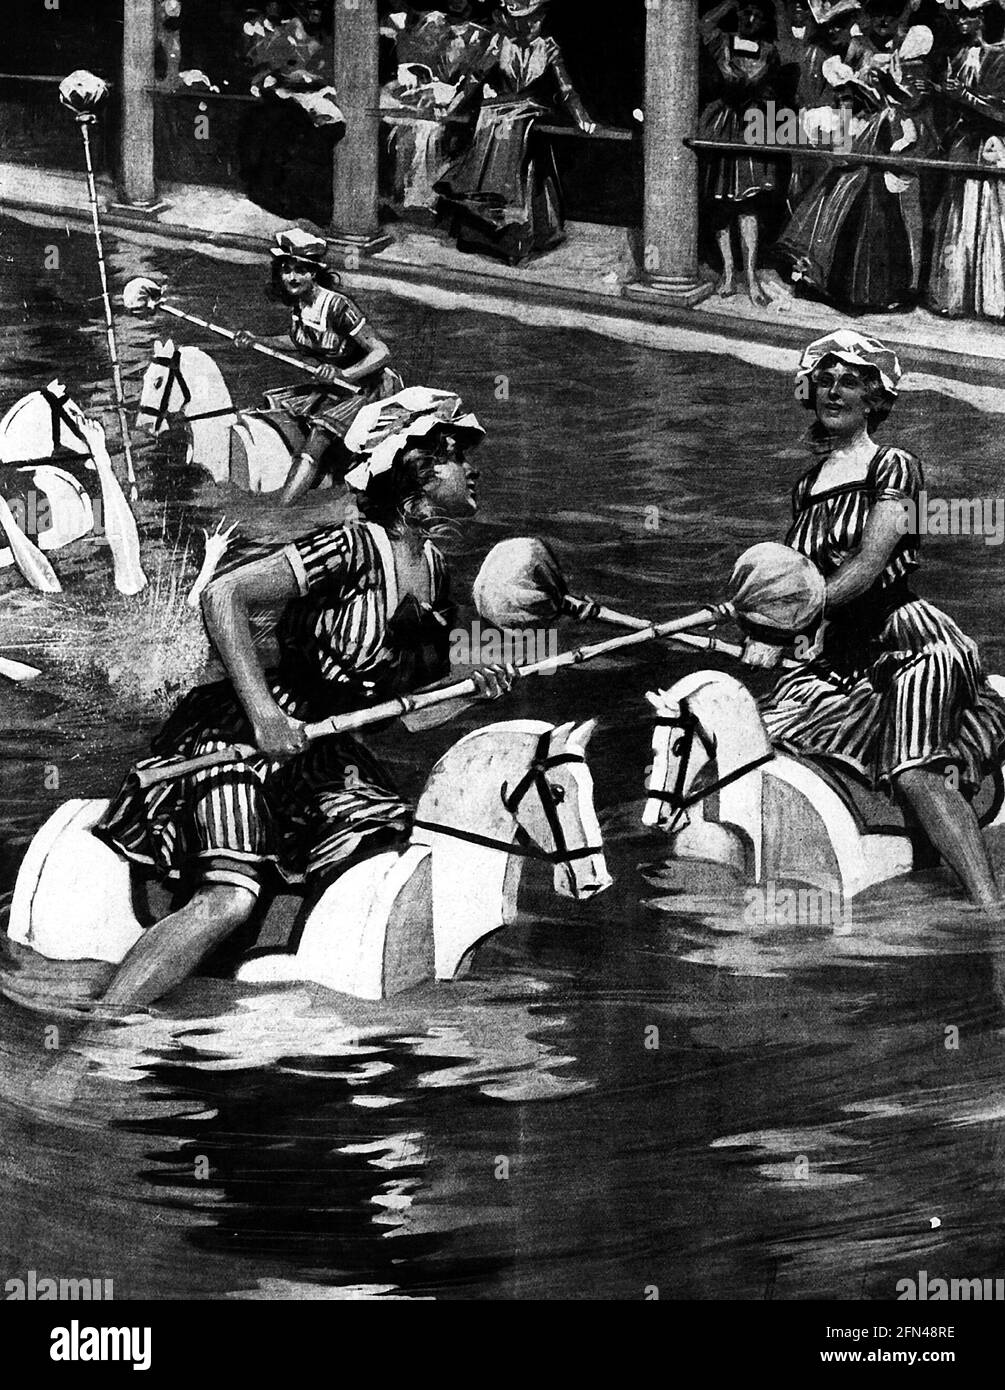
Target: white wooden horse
column 725, row 796
column 499, row 796
column 244, row 448
column 34, row 428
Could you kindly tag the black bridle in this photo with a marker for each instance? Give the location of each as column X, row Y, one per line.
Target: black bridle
column 174, row 374
column 691, row 728
column 535, row 777
column 62, row 419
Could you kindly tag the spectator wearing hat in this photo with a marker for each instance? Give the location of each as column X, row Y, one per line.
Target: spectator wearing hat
column 828, row 33
column 436, row 53
column 503, row 195
column 968, row 251
column 736, row 186
column 855, row 238
column 331, row 332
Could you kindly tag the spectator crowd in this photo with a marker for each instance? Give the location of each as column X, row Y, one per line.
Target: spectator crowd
column 888, row 192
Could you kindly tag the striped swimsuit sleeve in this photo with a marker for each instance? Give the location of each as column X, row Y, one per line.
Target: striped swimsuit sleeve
column 345, row 317
column 895, row 476
column 323, row 560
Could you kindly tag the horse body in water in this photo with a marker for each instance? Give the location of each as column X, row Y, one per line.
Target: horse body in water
column 49, row 503
column 501, row 795
column 725, row 796
column 55, row 508
column 253, row 450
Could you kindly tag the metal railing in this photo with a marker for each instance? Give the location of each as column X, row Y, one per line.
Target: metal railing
column 846, row 159
column 402, row 116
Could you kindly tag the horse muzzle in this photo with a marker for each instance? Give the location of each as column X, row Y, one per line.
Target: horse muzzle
column 583, row 879
column 149, row 423
column 657, row 813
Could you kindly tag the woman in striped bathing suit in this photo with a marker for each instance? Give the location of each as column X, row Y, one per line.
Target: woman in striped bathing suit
column 895, row 689
column 367, row 616
column 331, row 331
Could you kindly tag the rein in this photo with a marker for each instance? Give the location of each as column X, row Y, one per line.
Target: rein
column 535, row 777
column 174, row 374
column 691, row 728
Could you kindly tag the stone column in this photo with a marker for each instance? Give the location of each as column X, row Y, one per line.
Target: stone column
column 354, row 176
column 136, row 137
column 669, row 257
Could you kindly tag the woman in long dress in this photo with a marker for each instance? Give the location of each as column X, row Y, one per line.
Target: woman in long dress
column 896, row 690
column 436, row 53
column 331, row 332
column 503, row 196
column 734, row 185
column 968, row 249
column 367, row 615
column 855, row 238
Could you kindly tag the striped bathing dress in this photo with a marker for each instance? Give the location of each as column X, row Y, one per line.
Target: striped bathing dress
column 898, row 685
column 328, row 331
column 346, row 642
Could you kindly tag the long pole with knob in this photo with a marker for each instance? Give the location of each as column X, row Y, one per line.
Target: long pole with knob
column 120, row 396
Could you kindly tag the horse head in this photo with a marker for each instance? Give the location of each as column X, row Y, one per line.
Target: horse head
column 40, row 425
column 552, row 804
column 708, row 719
column 165, row 390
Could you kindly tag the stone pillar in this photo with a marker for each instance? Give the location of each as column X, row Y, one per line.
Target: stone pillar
column 139, row 30
column 354, row 177
column 669, row 268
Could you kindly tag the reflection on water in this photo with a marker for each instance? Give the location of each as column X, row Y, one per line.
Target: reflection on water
column 647, row 1090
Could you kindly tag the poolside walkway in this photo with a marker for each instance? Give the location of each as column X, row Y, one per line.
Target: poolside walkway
column 580, row 284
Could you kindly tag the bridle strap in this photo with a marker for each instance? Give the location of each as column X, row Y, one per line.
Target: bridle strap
column 61, row 419
column 174, row 373
column 535, row 776
column 521, row 847
column 684, row 803
column 692, row 727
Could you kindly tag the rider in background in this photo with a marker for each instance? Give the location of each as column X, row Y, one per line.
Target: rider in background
column 331, row 332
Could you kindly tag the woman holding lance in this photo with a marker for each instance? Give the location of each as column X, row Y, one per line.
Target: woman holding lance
column 367, row 615
column 896, row 690
column 332, row 332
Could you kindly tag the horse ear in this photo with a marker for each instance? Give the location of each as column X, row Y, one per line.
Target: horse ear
column 560, row 734
column 57, row 389
column 655, row 699
column 580, row 737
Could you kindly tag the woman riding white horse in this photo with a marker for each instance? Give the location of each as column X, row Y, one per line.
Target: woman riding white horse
column 367, row 614
column 896, row 689
column 332, row 333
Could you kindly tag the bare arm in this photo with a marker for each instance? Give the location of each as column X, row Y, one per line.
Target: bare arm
column 378, row 354
column 225, row 605
column 884, row 530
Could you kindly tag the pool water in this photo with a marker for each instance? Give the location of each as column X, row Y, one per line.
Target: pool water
column 644, row 1092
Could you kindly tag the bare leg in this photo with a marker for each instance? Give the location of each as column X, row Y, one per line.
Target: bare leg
column 301, row 478
column 169, row 952
column 749, row 231
column 305, row 472
column 949, row 821
column 724, row 236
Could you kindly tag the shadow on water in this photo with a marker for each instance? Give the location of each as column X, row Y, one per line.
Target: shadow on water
column 648, row 1090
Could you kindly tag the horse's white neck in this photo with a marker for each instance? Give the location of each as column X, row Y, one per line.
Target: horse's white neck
column 736, row 744
column 474, row 887
column 210, row 445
